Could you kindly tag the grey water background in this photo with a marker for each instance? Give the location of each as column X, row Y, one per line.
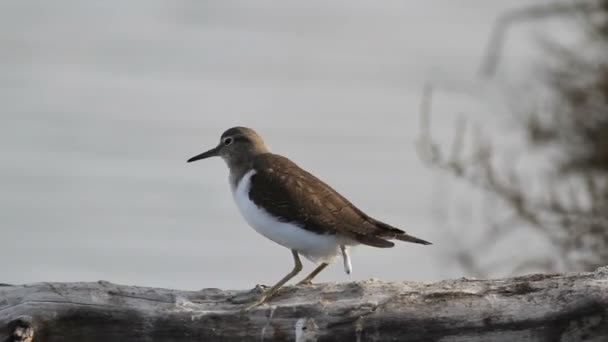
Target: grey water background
column 103, row 102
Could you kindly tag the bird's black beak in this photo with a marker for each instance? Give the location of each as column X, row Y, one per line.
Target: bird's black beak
column 214, row 152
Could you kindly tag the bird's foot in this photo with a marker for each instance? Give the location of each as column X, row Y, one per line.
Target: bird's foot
column 305, row 282
column 259, row 288
column 246, row 297
column 260, row 294
column 259, row 301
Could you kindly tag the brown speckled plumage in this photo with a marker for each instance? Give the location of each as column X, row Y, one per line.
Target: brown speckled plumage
column 293, row 195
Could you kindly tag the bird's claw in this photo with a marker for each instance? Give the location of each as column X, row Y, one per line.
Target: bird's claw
column 305, row 282
column 261, row 300
column 248, row 296
column 259, row 288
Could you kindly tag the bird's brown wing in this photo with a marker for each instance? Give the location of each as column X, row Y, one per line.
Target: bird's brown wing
column 293, row 195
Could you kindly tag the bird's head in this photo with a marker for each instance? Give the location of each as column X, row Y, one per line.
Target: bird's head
column 237, row 145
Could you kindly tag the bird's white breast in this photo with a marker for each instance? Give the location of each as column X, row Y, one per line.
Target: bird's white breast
column 315, row 247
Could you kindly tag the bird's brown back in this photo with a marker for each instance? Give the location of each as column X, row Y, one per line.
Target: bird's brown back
column 294, row 195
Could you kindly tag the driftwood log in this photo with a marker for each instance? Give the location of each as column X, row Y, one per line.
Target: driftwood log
column 541, row 307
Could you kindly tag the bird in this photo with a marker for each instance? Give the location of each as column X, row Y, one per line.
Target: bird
column 295, row 209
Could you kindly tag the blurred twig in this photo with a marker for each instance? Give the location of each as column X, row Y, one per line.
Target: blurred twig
column 497, row 38
column 554, row 218
column 570, row 208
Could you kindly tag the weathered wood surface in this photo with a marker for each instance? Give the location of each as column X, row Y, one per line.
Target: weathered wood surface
column 568, row 307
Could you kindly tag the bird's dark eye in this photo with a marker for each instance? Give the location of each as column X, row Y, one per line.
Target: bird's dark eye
column 227, row 141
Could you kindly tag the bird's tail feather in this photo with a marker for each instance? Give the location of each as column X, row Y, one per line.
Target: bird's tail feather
column 409, row 238
column 396, row 233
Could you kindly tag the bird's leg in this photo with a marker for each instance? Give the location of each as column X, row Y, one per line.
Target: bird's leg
column 273, row 290
column 308, row 279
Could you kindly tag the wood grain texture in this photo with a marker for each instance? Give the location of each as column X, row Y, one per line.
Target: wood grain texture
column 567, row 307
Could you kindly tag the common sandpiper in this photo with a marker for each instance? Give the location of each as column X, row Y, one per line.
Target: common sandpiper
column 295, row 209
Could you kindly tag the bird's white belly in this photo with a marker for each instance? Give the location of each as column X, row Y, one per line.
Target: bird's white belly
column 315, row 247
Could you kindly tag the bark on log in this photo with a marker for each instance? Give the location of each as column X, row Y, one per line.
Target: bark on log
column 541, row 307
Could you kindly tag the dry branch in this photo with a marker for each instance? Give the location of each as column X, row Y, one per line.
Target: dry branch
column 505, row 21
column 542, row 307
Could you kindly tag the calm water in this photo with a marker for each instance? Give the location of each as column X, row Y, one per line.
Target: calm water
column 102, row 103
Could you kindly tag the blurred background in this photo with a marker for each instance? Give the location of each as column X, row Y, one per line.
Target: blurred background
column 481, row 126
